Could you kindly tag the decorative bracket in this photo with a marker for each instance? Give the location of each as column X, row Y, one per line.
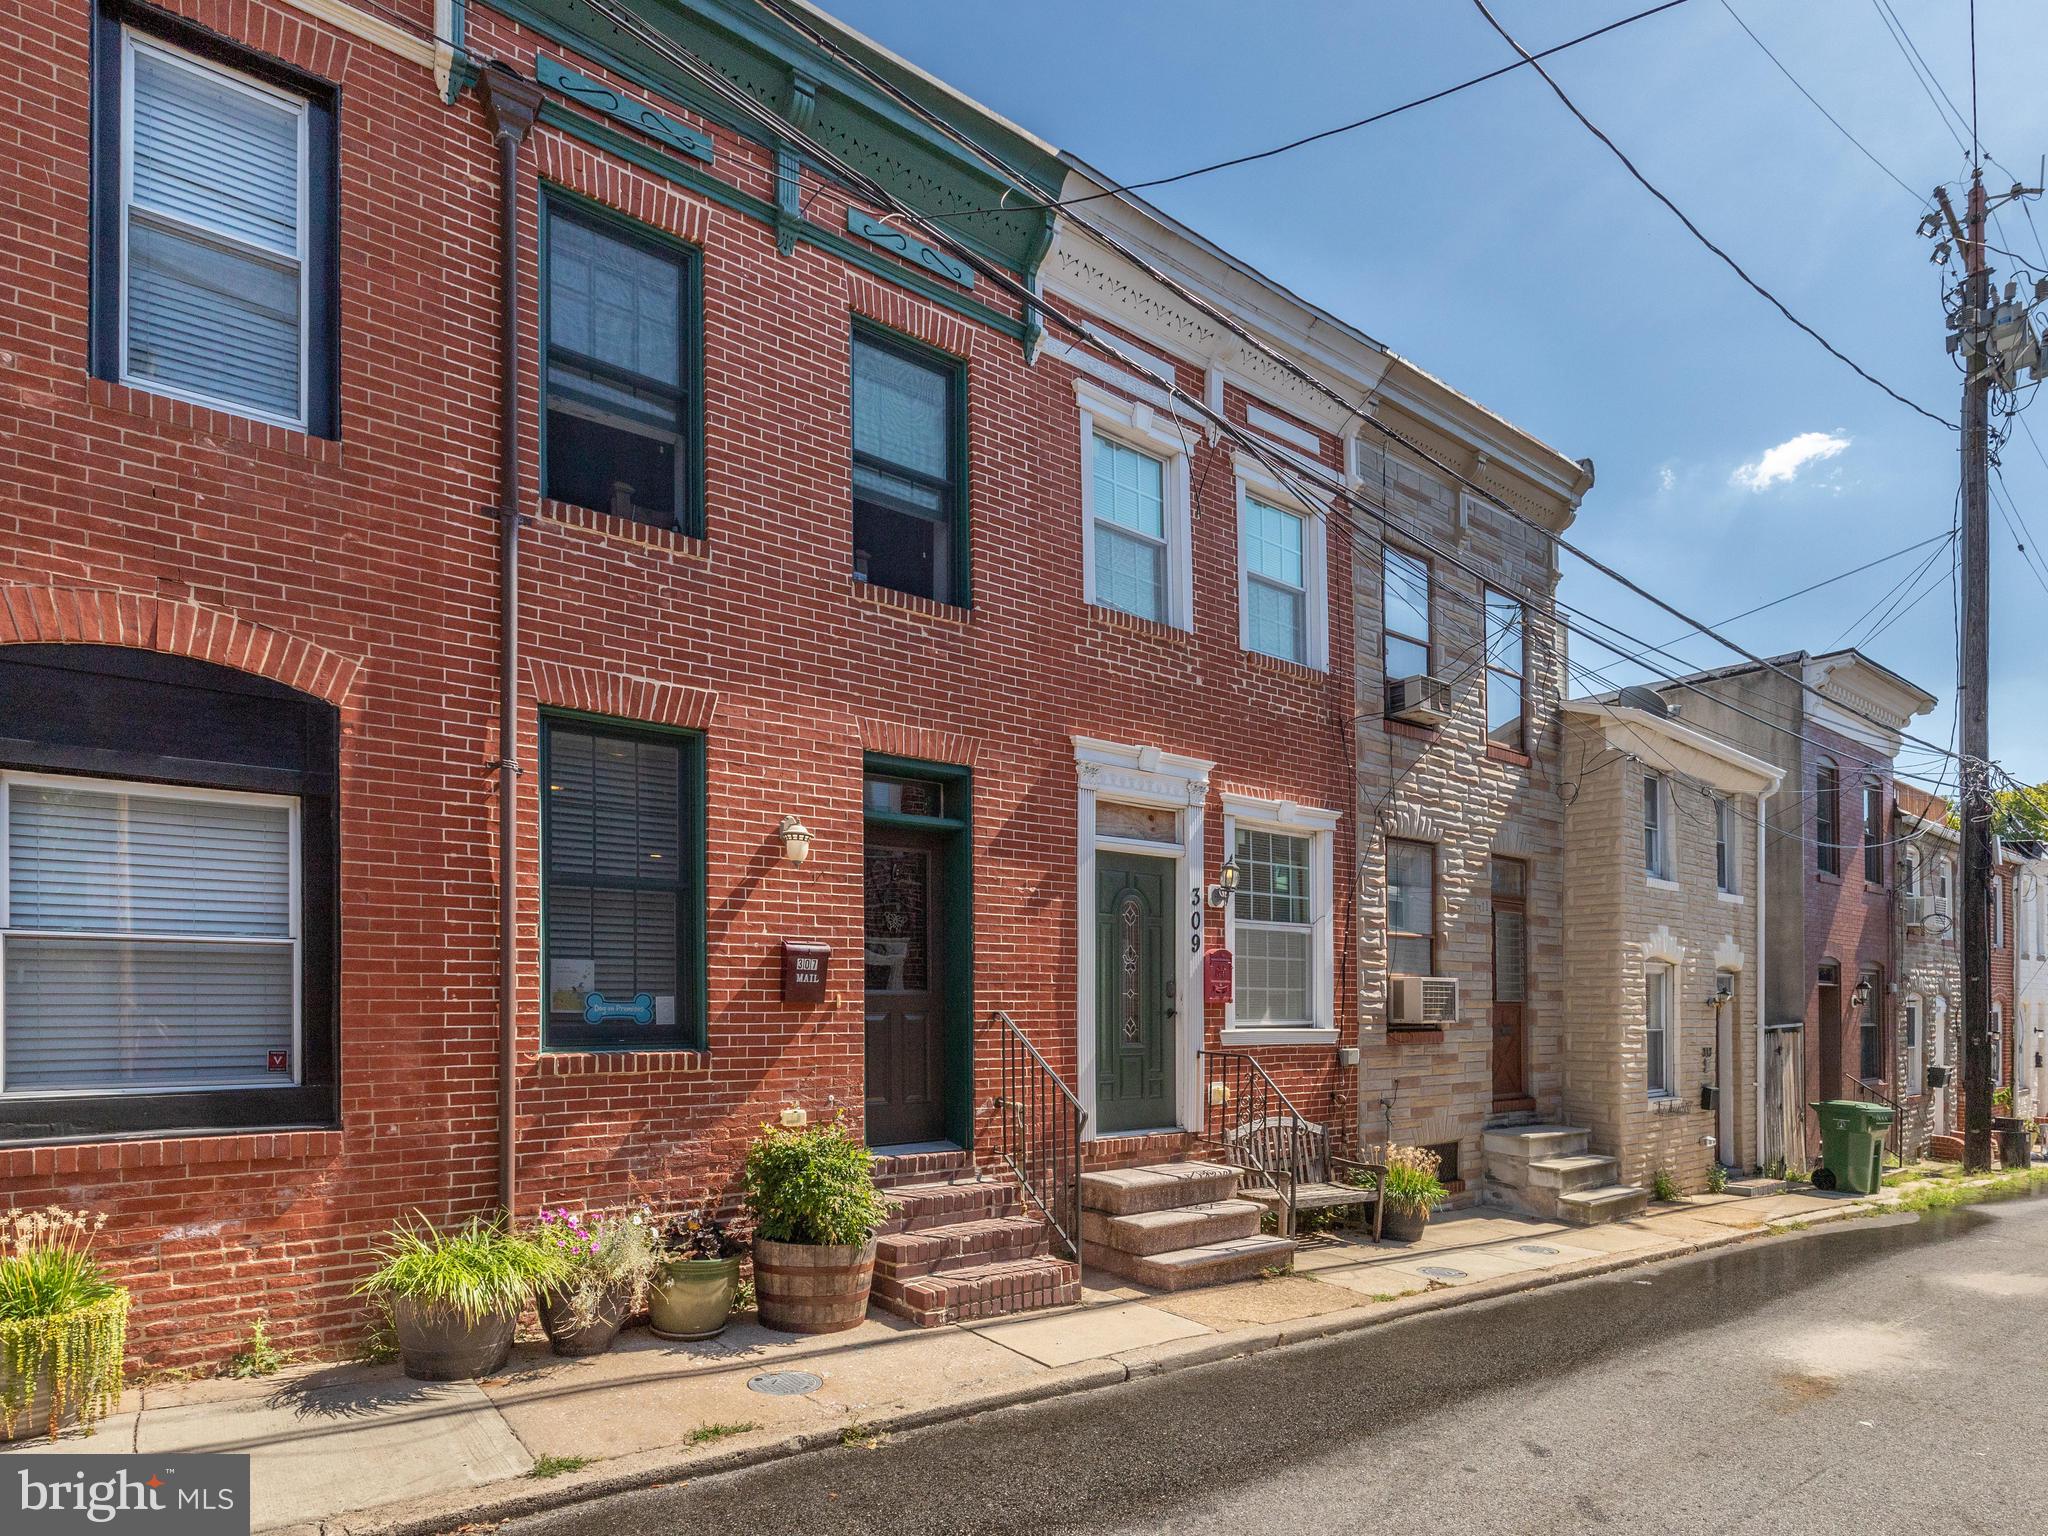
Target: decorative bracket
column 800, row 107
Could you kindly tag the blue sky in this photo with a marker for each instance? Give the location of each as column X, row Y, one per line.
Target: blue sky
column 1496, row 243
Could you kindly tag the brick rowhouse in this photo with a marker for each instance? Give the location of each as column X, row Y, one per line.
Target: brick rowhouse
column 356, row 570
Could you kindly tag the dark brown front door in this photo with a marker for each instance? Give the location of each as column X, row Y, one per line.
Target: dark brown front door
column 1510, row 983
column 906, row 988
column 1829, row 999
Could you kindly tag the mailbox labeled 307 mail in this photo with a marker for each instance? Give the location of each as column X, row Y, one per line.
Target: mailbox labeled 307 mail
column 803, row 971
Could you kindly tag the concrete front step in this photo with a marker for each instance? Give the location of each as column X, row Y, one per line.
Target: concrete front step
column 1587, row 1170
column 960, row 1245
column 1510, row 1150
column 1750, row 1189
column 1187, row 1226
column 918, row 1207
column 1237, row 1258
column 981, row 1291
column 1605, row 1202
column 1163, row 1186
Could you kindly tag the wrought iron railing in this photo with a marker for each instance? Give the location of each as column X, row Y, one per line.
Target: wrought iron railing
column 1897, row 1137
column 1040, row 1124
column 1255, row 1127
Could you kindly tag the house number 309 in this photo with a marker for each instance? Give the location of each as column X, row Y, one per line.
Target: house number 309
column 1195, row 922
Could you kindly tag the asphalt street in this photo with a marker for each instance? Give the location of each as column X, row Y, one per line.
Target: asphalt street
column 1873, row 1377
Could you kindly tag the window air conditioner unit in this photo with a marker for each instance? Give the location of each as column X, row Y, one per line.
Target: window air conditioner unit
column 1418, row 700
column 1422, row 1000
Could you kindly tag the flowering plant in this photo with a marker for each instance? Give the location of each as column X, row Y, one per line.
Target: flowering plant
column 698, row 1235
column 603, row 1253
column 1411, row 1182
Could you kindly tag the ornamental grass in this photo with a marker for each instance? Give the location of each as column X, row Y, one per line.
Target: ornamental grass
column 479, row 1270
column 63, row 1323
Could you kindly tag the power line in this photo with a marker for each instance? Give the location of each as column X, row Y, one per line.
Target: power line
column 1732, row 264
column 1917, row 197
column 1910, row 52
column 1312, row 138
column 1829, row 581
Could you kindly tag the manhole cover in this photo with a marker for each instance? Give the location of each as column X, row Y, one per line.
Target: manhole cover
column 1441, row 1272
column 785, row 1383
column 1533, row 1248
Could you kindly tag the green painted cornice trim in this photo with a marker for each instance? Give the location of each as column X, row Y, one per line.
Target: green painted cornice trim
column 891, row 238
column 612, row 142
column 558, row 76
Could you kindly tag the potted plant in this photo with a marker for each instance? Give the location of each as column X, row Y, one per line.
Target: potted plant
column 63, row 1324
column 816, row 1211
column 456, row 1296
column 696, row 1276
column 1410, row 1190
column 608, row 1258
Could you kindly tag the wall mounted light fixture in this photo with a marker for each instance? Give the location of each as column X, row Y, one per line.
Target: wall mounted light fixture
column 796, row 839
column 1226, row 883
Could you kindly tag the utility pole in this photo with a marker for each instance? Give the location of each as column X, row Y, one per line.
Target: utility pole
column 1974, row 775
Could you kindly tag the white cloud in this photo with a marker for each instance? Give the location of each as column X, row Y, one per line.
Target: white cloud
column 1666, row 478
column 1781, row 465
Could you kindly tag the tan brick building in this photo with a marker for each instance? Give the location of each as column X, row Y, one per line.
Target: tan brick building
column 1664, row 960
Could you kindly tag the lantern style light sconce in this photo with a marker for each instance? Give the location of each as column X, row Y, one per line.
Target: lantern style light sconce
column 796, row 839
column 1226, row 884
column 1860, row 998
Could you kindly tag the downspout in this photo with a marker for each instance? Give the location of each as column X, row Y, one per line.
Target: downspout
column 1760, row 1015
column 509, row 107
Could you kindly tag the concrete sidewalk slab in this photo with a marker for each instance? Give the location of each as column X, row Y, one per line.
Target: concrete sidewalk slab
column 1089, row 1333
column 1283, row 1298
column 341, row 1440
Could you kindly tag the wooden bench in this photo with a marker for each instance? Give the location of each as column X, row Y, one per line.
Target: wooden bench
column 1289, row 1165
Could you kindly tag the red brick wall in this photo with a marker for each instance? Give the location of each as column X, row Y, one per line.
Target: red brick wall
column 374, row 554
column 1848, row 920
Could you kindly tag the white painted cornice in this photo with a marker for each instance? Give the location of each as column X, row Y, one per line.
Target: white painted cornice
column 392, row 38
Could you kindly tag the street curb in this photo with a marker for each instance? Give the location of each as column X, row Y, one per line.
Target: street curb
column 482, row 1507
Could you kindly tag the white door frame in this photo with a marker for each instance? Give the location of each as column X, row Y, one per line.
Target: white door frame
column 1152, row 777
column 1727, row 1062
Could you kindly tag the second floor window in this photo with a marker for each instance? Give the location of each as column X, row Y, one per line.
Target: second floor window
column 618, row 349
column 1873, row 832
column 1827, row 818
column 1275, row 581
column 1404, row 609
column 1725, row 875
column 909, row 531
column 1129, row 508
column 1504, row 713
column 214, row 232
column 1656, row 829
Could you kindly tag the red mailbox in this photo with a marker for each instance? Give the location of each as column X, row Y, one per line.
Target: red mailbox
column 1218, row 976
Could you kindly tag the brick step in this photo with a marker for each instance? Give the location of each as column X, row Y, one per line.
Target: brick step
column 922, row 1168
column 981, row 1291
column 1161, row 1187
column 1605, row 1202
column 1586, row 1170
column 936, row 1250
column 917, row 1207
column 1178, row 1269
column 1187, row 1226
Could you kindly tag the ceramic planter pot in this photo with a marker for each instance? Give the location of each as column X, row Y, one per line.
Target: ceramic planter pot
column 691, row 1298
column 813, row 1287
column 1404, row 1223
column 567, row 1335
column 439, row 1344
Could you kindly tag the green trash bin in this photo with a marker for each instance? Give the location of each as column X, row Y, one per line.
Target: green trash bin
column 1852, row 1135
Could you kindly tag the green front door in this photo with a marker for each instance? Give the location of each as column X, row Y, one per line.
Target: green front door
column 1134, row 994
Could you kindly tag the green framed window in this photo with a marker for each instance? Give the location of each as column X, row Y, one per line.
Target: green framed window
column 909, row 468
column 622, row 887
column 622, row 403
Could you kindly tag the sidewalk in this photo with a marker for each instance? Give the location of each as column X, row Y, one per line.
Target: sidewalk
column 348, row 1449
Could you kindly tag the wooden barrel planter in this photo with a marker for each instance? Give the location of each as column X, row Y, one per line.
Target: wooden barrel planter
column 813, row 1287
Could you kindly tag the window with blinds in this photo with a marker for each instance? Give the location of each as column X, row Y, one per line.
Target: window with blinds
column 620, row 898
column 1274, row 933
column 149, row 939
column 1272, row 543
column 907, row 495
column 214, row 258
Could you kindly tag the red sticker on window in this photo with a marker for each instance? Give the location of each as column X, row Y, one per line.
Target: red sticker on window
column 280, row 1061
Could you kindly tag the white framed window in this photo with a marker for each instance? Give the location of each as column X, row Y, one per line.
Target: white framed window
column 1660, row 1043
column 1998, row 1045
column 1136, row 532
column 1916, row 1063
column 1405, row 613
column 1281, row 922
column 149, row 938
column 1944, row 885
column 1657, row 830
column 1282, row 596
column 1727, row 859
column 215, row 258
column 1997, row 911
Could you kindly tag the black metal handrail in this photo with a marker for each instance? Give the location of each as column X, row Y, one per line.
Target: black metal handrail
column 1254, row 1125
column 1898, row 1134
column 1041, row 1122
